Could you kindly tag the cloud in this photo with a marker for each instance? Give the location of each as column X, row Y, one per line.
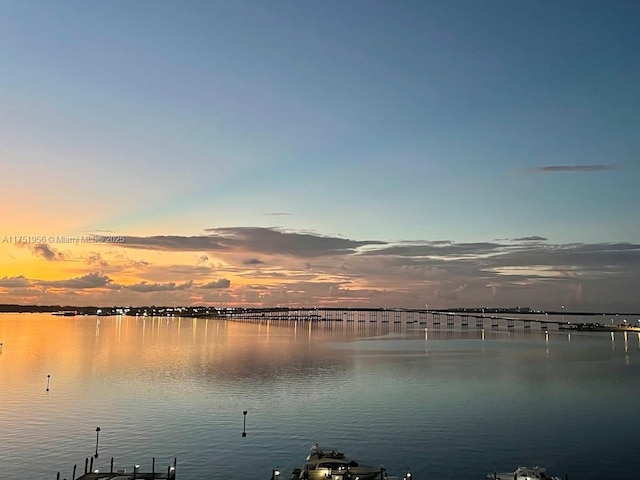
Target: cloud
column 438, row 249
column 253, row 239
column 222, row 283
column 90, row 280
column 453, row 294
column 268, row 267
column 570, row 168
column 94, row 258
column 146, row 287
column 174, row 243
column 278, row 214
column 45, row 251
column 533, row 238
column 14, row 282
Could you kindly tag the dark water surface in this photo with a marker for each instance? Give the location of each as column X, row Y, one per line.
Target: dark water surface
column 453, row 405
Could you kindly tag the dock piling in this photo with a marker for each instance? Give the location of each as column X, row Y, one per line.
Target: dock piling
column 97, row 440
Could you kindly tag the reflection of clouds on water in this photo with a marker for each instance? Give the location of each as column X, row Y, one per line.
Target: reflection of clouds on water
column 411, row 397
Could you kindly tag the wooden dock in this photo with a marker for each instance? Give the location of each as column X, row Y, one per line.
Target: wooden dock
column 131, row 473
column 122, row 475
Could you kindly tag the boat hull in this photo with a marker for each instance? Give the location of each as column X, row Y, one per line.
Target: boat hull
column 361, row 473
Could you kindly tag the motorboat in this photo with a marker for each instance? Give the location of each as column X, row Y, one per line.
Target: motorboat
column 523, row 473
column 331, row 463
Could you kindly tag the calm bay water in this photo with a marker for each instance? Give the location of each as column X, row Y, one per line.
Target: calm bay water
column 453, row 405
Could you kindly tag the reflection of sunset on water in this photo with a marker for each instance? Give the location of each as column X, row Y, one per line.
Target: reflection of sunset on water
column 179, row 386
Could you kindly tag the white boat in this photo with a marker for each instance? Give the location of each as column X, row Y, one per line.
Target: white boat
column 523, row 473
column 332, row 464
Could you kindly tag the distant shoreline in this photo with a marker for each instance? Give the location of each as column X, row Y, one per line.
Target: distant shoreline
column 194, row 310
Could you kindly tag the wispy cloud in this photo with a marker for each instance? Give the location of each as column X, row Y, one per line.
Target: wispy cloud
column 94, row 258
column 46, row 251
column 570, row 168
column 533, row 238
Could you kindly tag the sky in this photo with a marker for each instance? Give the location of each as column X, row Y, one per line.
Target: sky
column 306, row 153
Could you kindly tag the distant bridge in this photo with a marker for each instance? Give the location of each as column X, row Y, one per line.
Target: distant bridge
column 426, row 317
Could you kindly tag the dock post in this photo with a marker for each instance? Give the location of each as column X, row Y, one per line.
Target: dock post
column 91, row 465
column 111, row 465
column 73, row 477
column 244, row 423
column 153, row 467
column 86, row 465
column 58, row 476
column 97, row 440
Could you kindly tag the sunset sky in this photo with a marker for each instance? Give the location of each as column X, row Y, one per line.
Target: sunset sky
column 339, row 153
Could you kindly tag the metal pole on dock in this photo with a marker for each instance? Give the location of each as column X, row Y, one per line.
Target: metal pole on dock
column 86, row 465
column 111, row 465
column 73, row 477
column 244, row 424
column 153, row 467
column 97, row 440
column 91, row 465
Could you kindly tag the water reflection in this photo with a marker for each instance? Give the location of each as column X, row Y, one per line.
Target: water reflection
column 443, row 400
